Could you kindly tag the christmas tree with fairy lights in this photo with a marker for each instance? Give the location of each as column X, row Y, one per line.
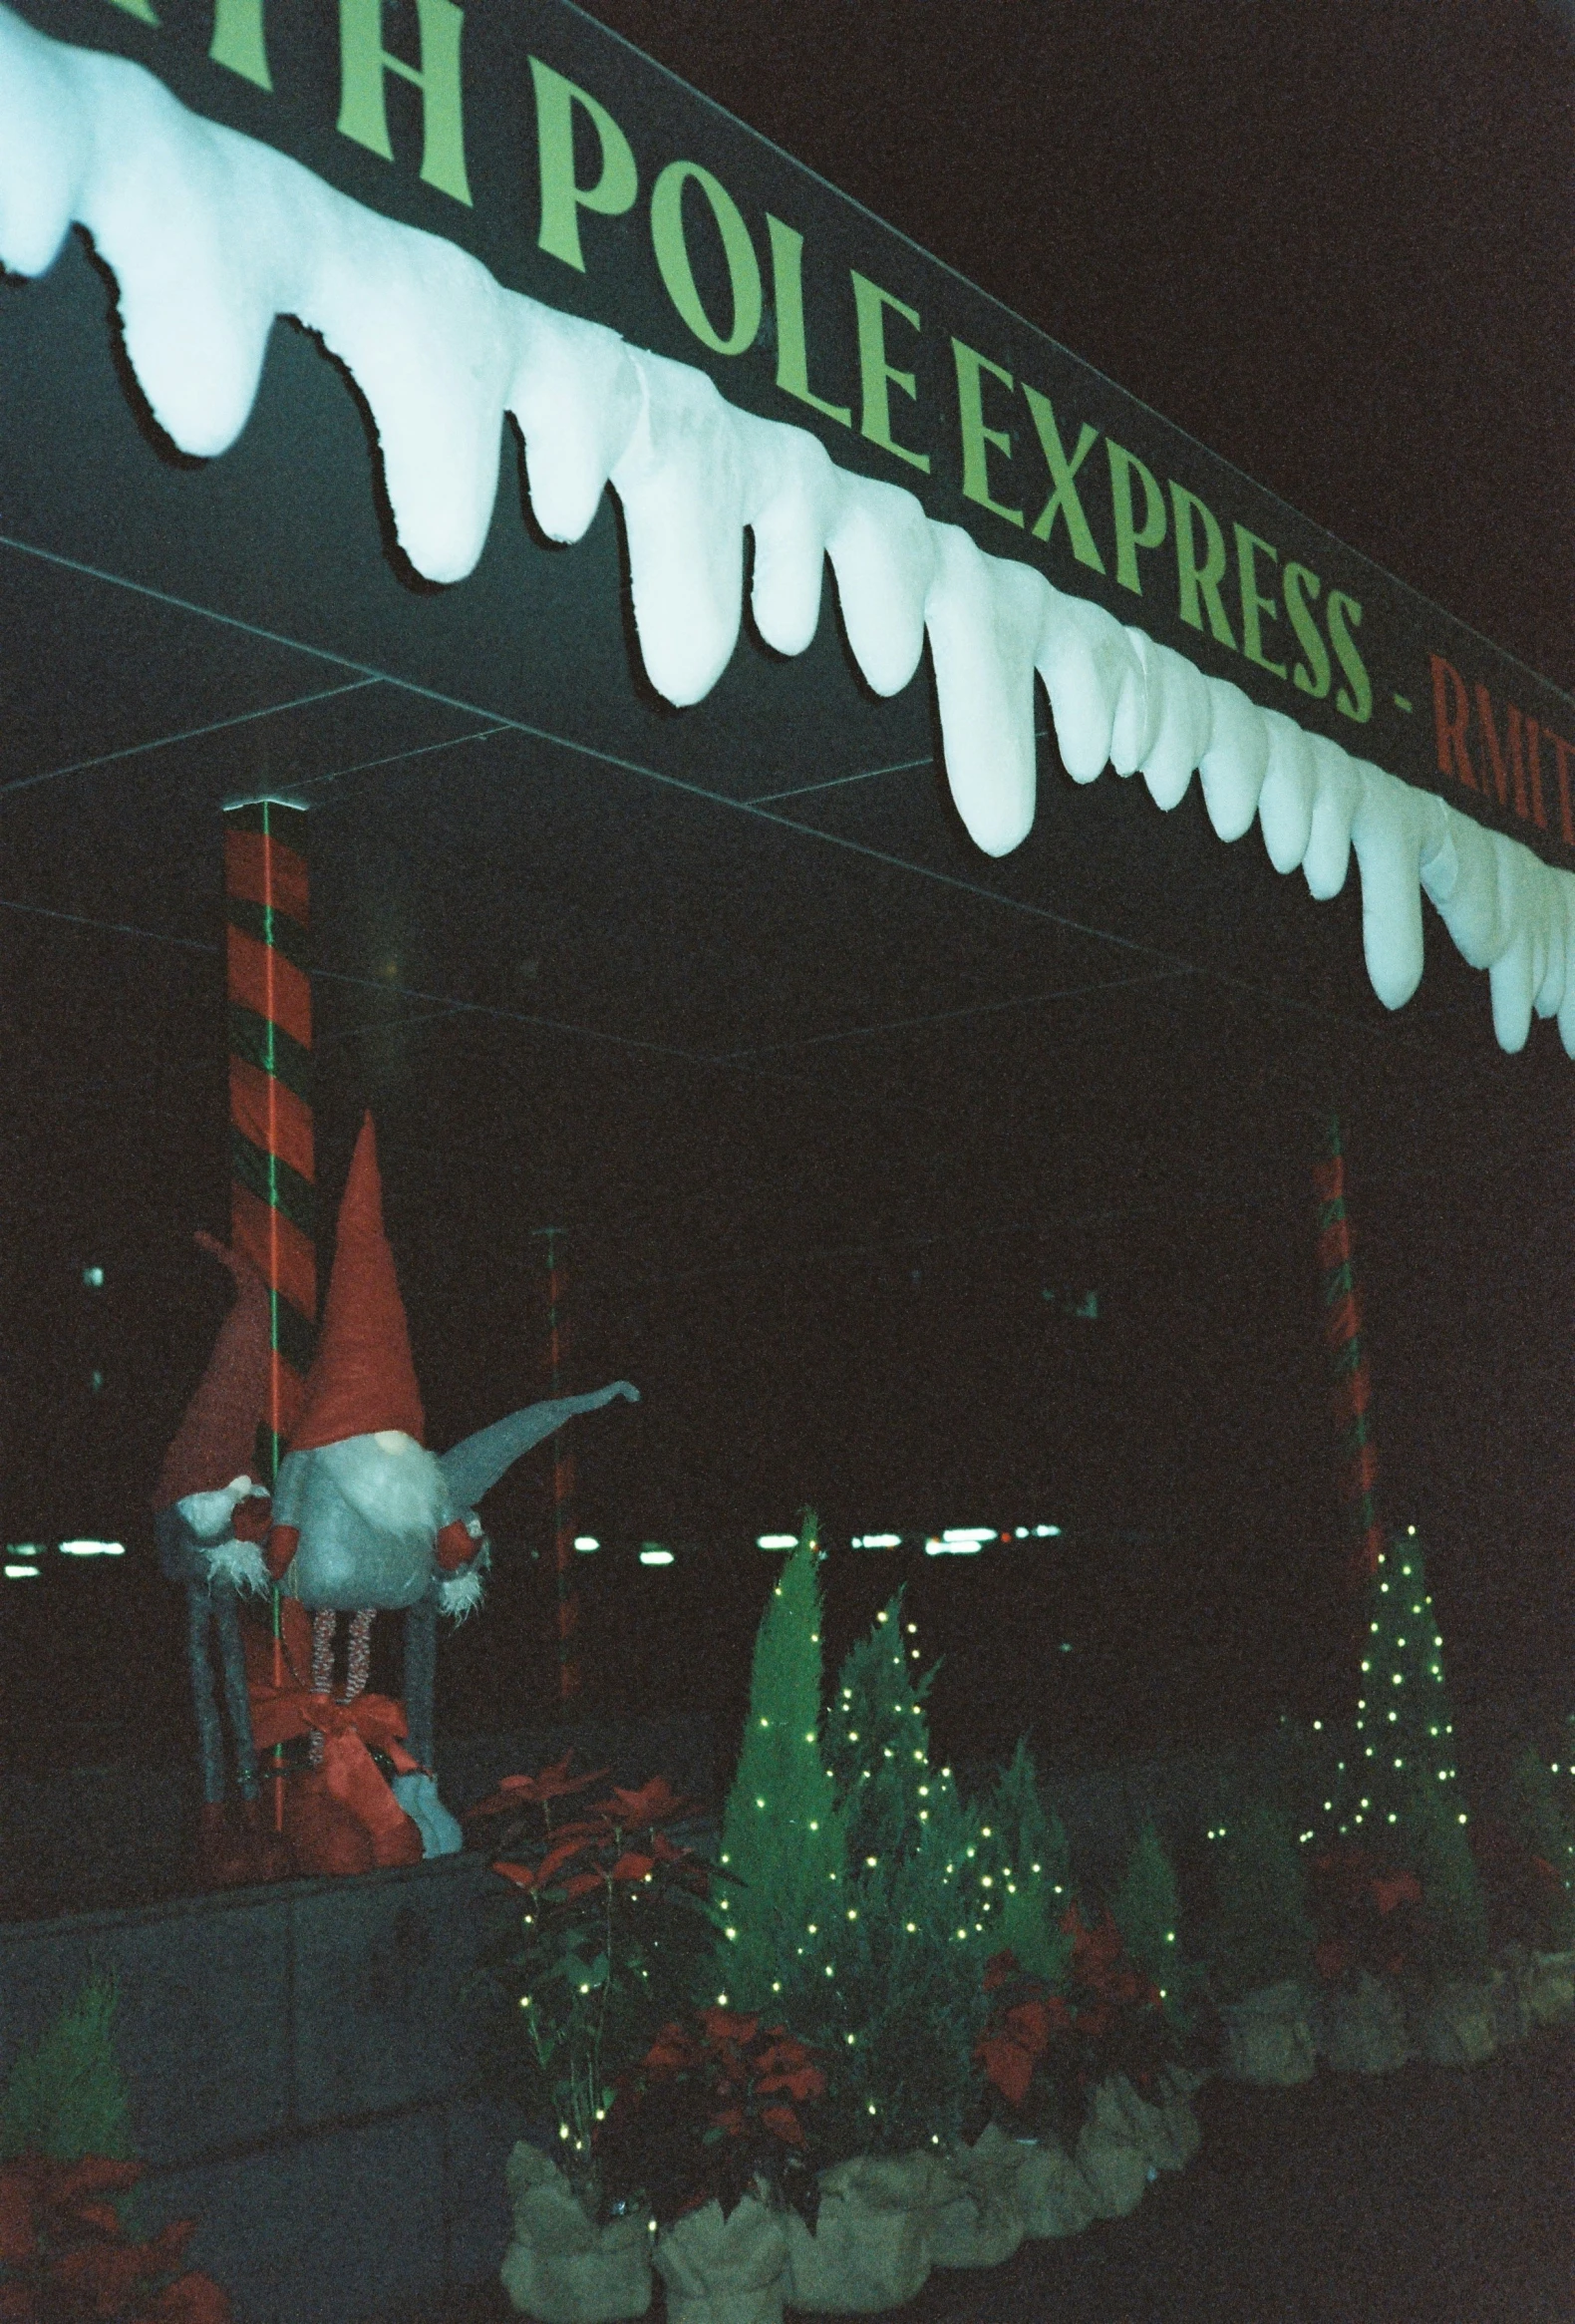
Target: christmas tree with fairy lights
column 784, row 1834
column 1401, row 1795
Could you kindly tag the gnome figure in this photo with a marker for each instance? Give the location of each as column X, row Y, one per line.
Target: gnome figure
column 365, row 1520
column 208, row 1516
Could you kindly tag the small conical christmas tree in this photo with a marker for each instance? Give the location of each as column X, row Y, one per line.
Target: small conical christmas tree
column 1404, row 1731
column 1543, row 1813
column 1400, row 1793
column 782, row 1837
column 1264, row 1931
column 1024, row 1867
column 877, row 1735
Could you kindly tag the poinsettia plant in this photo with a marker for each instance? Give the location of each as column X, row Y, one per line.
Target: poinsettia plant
column 1046, row 2047
column 720, row 2105
column 65, row 2254
column 615, row 1938
column 1367, row 1914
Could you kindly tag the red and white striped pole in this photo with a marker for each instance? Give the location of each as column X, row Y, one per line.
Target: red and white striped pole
column 272, row 1154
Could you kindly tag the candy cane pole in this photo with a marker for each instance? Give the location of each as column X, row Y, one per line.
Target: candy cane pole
column 568, row 1605
column 1352, row 1391
column 271, row 1150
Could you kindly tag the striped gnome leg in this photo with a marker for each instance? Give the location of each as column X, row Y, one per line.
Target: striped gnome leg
column 324, row 1622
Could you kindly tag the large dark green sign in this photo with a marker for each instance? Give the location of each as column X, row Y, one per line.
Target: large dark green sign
column 584, row 175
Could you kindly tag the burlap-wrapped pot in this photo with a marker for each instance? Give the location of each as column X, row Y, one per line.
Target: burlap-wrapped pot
column 731, row 2271
column 982, row 2223
column 871, row 2250
column 1547, row 1988
column 1167, row 2129
column 561, row 2267
column 1361, row 2028
column 1110, row 2155
column 1051, row 2194
column 1269, row 2036
column 1456, row 2025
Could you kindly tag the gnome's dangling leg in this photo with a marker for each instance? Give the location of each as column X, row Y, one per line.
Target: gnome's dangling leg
column 203, row 1503
column 417, row 1793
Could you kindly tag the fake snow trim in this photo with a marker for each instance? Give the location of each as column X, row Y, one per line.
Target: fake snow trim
column 211, row 235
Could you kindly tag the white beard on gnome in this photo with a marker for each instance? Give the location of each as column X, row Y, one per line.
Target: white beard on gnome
column 393, row 1493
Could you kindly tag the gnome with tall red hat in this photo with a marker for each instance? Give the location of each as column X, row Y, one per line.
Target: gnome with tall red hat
column 365, row 1520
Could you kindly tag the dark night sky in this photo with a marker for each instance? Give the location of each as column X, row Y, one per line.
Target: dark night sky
column 1332, row 242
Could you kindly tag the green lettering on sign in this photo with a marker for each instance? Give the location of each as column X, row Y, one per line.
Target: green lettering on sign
column 1198, row 584
column 876, row 376
column 238, row 39
column 1312, row 676
column 1131, row 537
column 672, row 258
column 1063, row 501
column 563, row 196
column 364, row 64
column 1355, row 701
column 792, row 352
column 977, row 437
column 1253, row 604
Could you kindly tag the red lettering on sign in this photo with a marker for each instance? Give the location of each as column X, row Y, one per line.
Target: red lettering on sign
column 1495, row 760
column 1450, row 720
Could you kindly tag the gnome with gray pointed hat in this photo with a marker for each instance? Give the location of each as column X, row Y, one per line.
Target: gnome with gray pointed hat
column 365, row 1518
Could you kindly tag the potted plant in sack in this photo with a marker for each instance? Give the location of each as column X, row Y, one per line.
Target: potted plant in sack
column 1370, row 1937
column 713, row 2133
column 614, row 1937
column 1261, row 1955
column 1069, row 2066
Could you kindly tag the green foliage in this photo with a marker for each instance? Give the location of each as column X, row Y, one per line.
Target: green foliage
column 784, row 1837
column 1543, row 1813
column 65, row 2096
column 1022, row 1853
column 884, row 1972
column 1264, row 1931
column 1452, row 1898
column 1146, row 1906
column 878, row 1741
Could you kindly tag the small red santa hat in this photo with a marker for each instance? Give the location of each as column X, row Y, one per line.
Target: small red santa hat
column 218, row 1437
column 362, row 1378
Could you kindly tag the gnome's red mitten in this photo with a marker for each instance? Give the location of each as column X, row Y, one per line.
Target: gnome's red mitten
column 252, row 1518
column 457, row 1544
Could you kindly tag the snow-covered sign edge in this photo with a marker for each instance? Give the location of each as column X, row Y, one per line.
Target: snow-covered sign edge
column 211, row 236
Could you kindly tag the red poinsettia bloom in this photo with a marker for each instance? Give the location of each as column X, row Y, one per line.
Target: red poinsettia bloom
column 729, row 2118
column 673, row 2050
column 653, row 1803
column 1403, row 1888
column 582, row 1883
column 1008, row 2064
column 553, row 1783
column 728, row 2025
column 1029, row 2023
column 522, row 1875
column 787, row 2065
column 783, row 2122
column 633, row 1867
column 999, row 1970
column 190, row 2299
column 1095, row 1951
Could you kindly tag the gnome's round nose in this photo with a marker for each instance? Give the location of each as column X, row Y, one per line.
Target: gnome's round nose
column 361, row 1507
